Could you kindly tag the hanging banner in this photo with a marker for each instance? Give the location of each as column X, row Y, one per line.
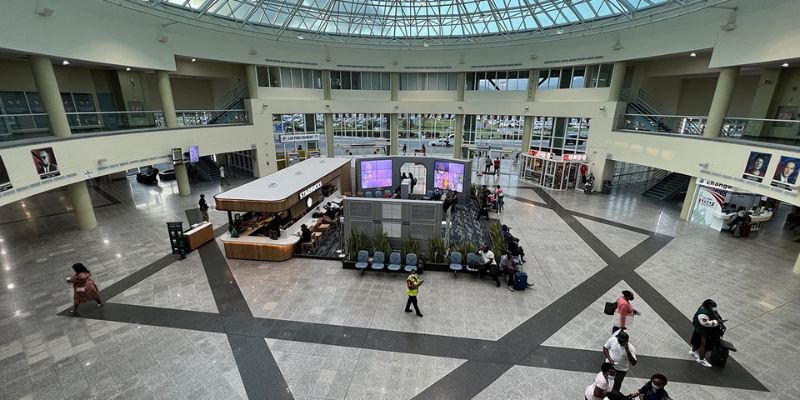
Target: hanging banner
column 756, row 167
column 708, row 203
column 786, row 173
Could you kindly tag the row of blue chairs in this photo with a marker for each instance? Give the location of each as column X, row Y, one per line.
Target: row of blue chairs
column 473, row 260
column 378, row 193
column 379, row 261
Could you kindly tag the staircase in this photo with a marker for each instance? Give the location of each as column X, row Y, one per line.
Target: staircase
column 668, row 188
column 638, row 103
column 234, row 100
column 207, row 169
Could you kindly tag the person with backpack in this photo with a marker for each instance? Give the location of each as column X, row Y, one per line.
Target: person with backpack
column 704, row 322
column 412, row 290
column 203, row 207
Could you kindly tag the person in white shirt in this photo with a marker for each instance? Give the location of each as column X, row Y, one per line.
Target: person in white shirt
column 598, row 389
column 488, row 265
column 621, row 353
column 222, row 180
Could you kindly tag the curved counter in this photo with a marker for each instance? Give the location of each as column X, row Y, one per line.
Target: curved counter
column 755, row 220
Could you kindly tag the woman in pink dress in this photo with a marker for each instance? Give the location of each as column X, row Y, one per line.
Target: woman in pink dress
column 83, row 287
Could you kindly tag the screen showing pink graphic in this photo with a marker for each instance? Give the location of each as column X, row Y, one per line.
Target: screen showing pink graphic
column 448, row 176
column 376, row 174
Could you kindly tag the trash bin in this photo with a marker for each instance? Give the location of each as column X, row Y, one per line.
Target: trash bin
column 606, row 187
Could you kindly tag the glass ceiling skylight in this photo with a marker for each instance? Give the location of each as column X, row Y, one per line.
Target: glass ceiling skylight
column 418, row 19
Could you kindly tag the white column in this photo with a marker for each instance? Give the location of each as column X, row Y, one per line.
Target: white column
column 721, row 101
column 50, row 95
column 617, row 78
column 252, row 81
column 687, row 201
column 167, row 102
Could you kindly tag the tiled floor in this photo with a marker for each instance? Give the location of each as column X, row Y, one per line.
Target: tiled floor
column 351, row 340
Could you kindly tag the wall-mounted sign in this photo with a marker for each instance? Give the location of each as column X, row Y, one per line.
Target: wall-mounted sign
column 574, row 157
column 786, row 173
column 5, row 182
column 756, row 167
column 706, row 182
column 311, row 189
column 543, row 154
column 708, row 203
column 194, row 154
column 177, row 155
column 45, row 161
column 306, row 137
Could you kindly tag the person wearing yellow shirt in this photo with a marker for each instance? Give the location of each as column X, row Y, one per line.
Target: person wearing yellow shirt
column 413, row 283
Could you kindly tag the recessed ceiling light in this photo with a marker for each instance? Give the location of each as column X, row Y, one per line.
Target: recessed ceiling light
column 194, row 59
column 65, row 62
column 693, row 54
column 300, row 36
column 426, row 44
column 560, row 31
column 784, row 65
column 128, row 69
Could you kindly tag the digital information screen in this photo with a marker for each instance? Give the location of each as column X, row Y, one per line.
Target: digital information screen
column 448, row 176
column 376, row 174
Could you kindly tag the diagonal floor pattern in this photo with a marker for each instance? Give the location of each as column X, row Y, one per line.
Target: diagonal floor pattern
column 487, row 360
column 619, row 240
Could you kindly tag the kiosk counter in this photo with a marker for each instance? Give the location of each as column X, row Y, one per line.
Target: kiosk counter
column 265, row 215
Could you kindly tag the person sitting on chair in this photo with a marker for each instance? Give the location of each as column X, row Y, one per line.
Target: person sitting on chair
column 488, row 265
column 305, row 234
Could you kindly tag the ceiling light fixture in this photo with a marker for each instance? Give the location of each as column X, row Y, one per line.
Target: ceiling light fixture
column 194, row 59
column 693, row 54
column 300, row 36
column 65, row 62
column 560, row 31
column 784, row 65
column 426, row 44
column 128, row 69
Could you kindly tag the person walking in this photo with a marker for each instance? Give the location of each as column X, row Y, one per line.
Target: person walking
column 412, row 183
column 488, row 168
column 413, row 283
column 222, row 180
column 498, row 198
column 404, row 149
column 704, row 322
column 598, row 389
column 83, row 287
column 624, row 313
column 424, row 151
column 621, row 353
column 653, row 390
column 497, row 166
column 203, row 207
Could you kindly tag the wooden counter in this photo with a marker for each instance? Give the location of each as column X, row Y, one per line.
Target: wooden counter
column 199, row 236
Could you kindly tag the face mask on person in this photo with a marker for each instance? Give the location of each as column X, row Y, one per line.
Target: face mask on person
column 656, row 387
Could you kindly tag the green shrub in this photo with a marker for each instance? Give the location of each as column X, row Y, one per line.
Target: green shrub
column 381, row 243
column 410, row 246
column 358, row 241
column 465, row 248
column 498, row 241
column 436, row 250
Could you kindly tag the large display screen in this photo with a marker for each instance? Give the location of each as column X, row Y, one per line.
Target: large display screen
column 376, row 174
column 448, row 176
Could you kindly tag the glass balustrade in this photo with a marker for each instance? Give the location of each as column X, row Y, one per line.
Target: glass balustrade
column 683, row 125
column 762, row 130
column 26, row 126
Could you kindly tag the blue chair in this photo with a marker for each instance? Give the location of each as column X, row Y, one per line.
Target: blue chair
column 377, row 261
column 394, row 261
column 455, row 262
column 411, row 262
column 473, row 261
column 387, row 193
column 428, row 195
column 367, row 194
column 362, row 262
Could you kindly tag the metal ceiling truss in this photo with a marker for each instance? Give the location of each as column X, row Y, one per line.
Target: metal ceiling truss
column 396, row 22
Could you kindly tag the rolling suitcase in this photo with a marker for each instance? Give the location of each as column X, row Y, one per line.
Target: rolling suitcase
column 520, row 280
column 719, row 357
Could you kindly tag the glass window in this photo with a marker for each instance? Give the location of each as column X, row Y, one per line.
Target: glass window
column 512, row 80
column 501, row 82
column 274, row 77
column 566, row 78
column 470, row 82
column 544, row 75
column 355, row 80
column 604, row 76
column 522, row 80
column 552, row 81
column 481, row 78
column 308, row 79
column 376, row 80
column 336, row 80
column 385, row 84
column 263, row 76
column 577, row 77
column 432, row 82
column 591, row 76
column 491, row 80
column 317, row 79
column 346, row 83
column 297, row 78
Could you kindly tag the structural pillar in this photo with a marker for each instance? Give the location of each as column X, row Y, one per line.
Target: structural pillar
column 167, row 102
column 459, row 138
column 394, row 142
column 617, row 79
column 329, row 149
column 533, row 84
column 50, row 95
column 762, row 100
column 82, row 205
column 721, row 101
column 182, row 177
column 252, row 81
column 326, row 84
column 687, row 201
column 527, row 127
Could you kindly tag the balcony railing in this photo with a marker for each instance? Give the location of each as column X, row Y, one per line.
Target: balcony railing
column 683, row 125
column 25, row 126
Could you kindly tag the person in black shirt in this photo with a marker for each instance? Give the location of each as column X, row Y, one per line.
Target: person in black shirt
column 305, row 234
column 203, row 207
column 653, row 390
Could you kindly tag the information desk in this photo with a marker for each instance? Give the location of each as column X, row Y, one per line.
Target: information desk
column 293, row 194
column 755, row 220
column 199, row 235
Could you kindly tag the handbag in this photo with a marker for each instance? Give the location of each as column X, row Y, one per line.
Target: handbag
column 610, row 307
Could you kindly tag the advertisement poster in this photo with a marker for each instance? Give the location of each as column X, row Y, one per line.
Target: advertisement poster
column 786, row 173
column 5, row 182
column 708, row 204
column 756, row 167
column 45, row 161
